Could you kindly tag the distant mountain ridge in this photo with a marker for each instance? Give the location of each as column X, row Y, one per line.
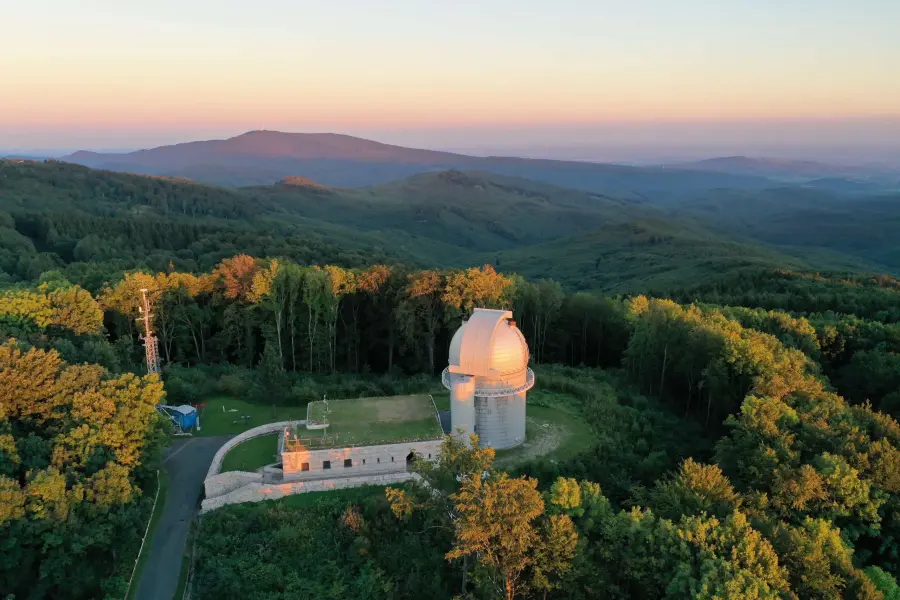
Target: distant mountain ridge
column 266, row 157
column 822, row 175
column 269, row 144
column 763, row 166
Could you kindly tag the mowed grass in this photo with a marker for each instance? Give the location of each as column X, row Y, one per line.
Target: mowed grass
column 239, row 415
column 363, row 421
column 253, row 454
column 442, row 400
column 554, row 429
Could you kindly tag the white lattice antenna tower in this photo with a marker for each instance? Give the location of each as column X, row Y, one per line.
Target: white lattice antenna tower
column 151, row 345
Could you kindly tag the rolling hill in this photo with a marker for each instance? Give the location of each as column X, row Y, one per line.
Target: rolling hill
column 834, row 178
column 767, row 167
column 804, row 220
column 472, row 210
column 656, row 255
column 266, row 157
column 60, row 215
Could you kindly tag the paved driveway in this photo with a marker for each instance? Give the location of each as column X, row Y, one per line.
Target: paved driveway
column 186, row 462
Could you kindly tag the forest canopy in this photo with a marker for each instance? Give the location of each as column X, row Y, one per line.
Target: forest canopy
column 77, row 447
column 743, row 435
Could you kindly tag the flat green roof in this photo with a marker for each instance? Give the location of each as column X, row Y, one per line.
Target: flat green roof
column 371, row 421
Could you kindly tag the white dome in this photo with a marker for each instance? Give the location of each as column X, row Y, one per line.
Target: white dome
column 456, row 344
column 489, row 344
column 488, row 378
column 509, row 352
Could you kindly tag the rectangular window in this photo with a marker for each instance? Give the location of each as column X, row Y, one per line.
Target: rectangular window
column 326, row 464
column 304, row 467
column 378, row 460
column 348, row 462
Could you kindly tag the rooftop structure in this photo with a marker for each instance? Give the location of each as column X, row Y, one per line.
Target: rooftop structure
column 488, row 377
column 365, row 437
column 367, row 421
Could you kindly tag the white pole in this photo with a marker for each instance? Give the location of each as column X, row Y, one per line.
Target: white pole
column 144, row 539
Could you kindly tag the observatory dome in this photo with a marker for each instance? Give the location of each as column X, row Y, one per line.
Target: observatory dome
column 487, row 377
column 507, row 353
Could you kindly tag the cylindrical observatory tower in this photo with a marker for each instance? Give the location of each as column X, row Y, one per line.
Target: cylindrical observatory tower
column 488, row 377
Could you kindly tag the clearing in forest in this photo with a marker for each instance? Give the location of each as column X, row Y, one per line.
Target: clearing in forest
column 366, row 421
column 222, row 415
column 555, row 431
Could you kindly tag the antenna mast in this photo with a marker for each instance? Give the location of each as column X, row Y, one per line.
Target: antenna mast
column 151, row 345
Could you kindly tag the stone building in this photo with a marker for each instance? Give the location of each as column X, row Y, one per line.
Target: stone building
column 304, row 463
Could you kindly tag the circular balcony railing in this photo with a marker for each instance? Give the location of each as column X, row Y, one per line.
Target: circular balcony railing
column 446, row 379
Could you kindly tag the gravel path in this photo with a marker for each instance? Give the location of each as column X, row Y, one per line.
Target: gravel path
column 186, row 462
column 543, row 439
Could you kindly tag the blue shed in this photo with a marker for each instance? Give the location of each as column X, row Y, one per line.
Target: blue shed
column 187, row 415
column 183, row 417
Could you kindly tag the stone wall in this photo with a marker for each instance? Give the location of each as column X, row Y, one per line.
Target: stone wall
column 224, row 483
column 354, row 461
column 257, row 492
column 216, row 465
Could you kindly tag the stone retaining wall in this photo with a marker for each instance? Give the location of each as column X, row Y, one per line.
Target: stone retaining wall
column 216, row 465
column 257, row 492
column 224, row 483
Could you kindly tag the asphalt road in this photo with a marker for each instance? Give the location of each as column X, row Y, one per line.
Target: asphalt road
column 186, row 462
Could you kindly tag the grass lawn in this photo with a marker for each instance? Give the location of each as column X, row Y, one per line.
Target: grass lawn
column 355, row 495
column 442, row 400
column 252, row 454
column 554, row 428
column 154, row 519
column 373, row 421
column 239, row 415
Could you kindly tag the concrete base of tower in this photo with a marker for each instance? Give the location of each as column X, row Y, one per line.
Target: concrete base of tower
column 500, row 421
column 462, row 406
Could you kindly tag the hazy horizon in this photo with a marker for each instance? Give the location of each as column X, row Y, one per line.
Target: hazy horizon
column 850, row 142
column 632, row 81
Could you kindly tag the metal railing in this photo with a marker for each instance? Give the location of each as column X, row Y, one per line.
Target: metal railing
column 493, row 392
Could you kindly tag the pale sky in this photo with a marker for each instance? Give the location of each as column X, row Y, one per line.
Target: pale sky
column 128, row 74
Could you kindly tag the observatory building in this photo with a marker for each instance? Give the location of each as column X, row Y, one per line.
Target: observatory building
column 488, row 377
column 376, row 441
